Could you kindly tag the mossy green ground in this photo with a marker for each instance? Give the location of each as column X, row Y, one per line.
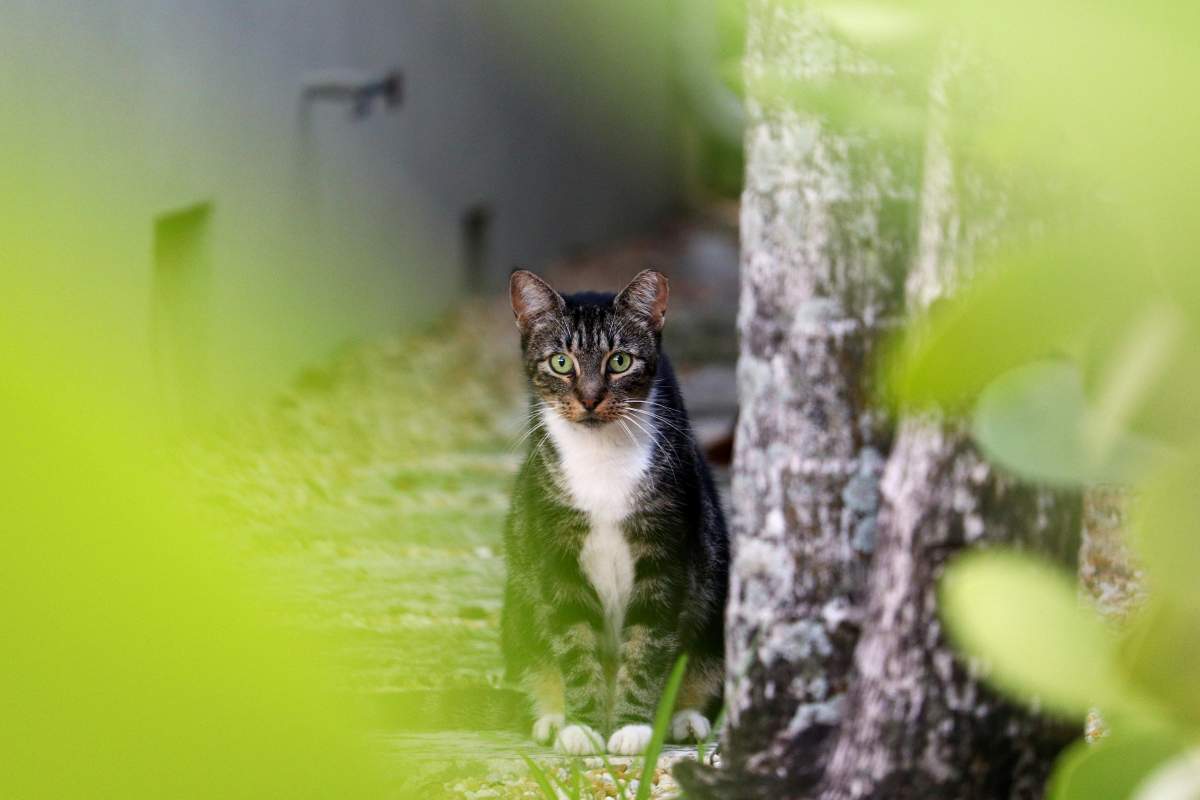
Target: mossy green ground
column 369, row 498
column 372, row 495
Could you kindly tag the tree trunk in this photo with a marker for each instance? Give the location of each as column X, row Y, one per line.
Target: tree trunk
column 916, row 723
column 1108, row 573
column 919, row 724
column 826, row 228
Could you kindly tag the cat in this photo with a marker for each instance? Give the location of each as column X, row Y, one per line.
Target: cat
column 617, row 550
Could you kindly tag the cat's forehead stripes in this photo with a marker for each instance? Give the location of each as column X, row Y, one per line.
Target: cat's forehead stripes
column 591, row 328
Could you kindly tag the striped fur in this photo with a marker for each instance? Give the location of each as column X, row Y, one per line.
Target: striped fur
column 616, row 546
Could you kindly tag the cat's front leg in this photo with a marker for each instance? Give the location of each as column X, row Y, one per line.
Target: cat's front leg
column 576, row 640
column 647, row 654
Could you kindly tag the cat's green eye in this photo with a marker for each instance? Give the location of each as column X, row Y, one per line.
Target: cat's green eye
column 561, row 363
column 619, row 362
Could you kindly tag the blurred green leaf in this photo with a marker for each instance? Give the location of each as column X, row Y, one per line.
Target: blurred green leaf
column 1177, row 779
column 1159, row 657
column 1023, row 619
column 139, row 660
column 1166, row 531
column 1039, row 302
column 1143, row 371
column 540, row 778
column 1034, row 421
column 873, row 24
column 1111, row 767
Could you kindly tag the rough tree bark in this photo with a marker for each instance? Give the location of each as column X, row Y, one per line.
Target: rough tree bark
column 1108, row 573
column 819, row 267
column 827, row 227
column 918, row 722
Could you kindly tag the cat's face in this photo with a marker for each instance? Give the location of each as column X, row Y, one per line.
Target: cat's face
column 590, row 358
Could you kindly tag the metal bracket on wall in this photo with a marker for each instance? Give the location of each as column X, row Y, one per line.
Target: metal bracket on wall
column 363, row 91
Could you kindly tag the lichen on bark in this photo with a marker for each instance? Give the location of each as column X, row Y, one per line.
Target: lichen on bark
column 1109, row 575
column 841, row 683
column 919, row 723
column 827, row 224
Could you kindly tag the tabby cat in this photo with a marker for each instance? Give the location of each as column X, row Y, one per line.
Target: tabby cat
column 616, row 547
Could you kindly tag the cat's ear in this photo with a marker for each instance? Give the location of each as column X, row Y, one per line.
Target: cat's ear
column 646, row 297
column 532, row 298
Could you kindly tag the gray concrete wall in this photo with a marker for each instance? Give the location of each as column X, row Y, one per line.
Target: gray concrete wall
column 555, row 115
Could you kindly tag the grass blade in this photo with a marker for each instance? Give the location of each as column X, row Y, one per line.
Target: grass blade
column 713, row 733
column 539, row 776
column 662, row 720
column 576, row 779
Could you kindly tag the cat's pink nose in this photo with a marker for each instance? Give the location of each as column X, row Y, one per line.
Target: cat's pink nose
column 590, row 392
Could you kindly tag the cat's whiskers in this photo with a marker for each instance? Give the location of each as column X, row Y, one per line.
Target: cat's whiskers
column 625, row 428
column 671, row 453
column 540, row 442
column 650, row 403
column 647, row 406
column 535, row 422
column 532, row 429
column 671, row 456
column 632, row 418
column 659, row 419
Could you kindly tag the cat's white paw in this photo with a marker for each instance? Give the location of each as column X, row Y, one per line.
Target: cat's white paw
column 545, row 726
column 579, row 740
column 630, row 740
column 689, row 725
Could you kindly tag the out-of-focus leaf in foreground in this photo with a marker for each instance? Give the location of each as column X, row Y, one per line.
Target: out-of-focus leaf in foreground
column 137, row 663
column 1024, row 306
column 1159, row 656
column 1177, row 779
column 1111, row 767
column 1166, row 530
column 1023, row 620
column 1162, row 646
column 1034, row 420
column 1075, row 341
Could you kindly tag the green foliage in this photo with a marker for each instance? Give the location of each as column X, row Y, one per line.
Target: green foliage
column 1165, row 530
column 543, row 779
column 1022, row 619
column 1035, row 420
column 138, row 661
column 1073, row 341
column 1112, row 767
column 1025, row 620
column 662, row 721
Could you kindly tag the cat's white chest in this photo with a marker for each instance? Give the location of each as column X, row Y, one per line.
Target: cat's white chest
column 602, row 470
column 608, row 564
